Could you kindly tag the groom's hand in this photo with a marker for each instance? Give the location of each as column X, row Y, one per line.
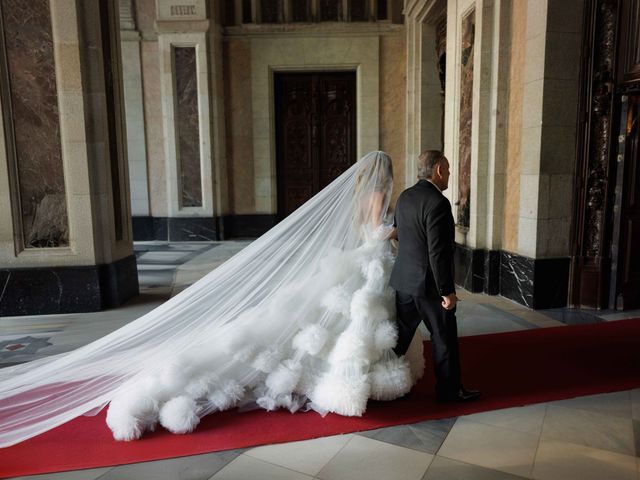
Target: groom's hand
column 449, row 301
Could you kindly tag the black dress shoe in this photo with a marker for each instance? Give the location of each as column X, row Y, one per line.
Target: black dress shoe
column 464, row 395
column 467, row 395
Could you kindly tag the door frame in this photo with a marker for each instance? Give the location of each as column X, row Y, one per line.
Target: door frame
column 310, row 53
column 276, row 141
column 617, row 260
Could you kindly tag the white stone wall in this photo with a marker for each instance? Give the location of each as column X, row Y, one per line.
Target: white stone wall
column 424, row 103
column 553, row 43
column 550, row 86
column 134, row 109
column 563, row 39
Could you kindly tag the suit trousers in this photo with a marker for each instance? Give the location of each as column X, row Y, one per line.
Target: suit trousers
column 443, row 328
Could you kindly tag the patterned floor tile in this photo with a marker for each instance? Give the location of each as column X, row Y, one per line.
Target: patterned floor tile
column 527, row 419
column 573, row 316
column 196, row 467
column 89, row 474
column 567, row 461
column 491, row 447
column 635, row 403
column 308, row 456
column 591, row 429
column 424, row 436
column 616, row 403
column 446, row 469
column 246, row 468
column 29, row 345
column 364, row 459
column 478, row 319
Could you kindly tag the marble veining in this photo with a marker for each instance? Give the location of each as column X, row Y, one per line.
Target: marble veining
column 491, row 279
column 4, row 287
column 36, row 122
column 187, row 126
column 516, row 278
column 466, row 108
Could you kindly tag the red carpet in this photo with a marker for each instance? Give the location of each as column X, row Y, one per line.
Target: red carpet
column 511, row 369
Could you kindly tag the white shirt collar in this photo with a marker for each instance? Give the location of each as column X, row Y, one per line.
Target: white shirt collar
column 434, row 185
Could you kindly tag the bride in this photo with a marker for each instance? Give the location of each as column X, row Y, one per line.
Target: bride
column 303, row 317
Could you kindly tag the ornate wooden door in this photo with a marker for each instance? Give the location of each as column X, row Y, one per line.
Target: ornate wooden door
column 606, row 228
column 625, row 291
column 315, row 133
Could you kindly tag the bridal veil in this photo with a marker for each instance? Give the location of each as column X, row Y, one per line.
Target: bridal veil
column 208, row 326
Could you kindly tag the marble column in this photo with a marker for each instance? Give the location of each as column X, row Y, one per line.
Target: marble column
column 70, row 248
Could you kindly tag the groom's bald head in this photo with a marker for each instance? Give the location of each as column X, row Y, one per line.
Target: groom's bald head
column 427, row 162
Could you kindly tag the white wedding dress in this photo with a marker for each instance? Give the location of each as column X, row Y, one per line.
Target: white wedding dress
column 301, row 318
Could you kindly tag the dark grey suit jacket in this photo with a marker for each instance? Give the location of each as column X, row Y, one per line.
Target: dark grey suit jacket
column 426, row 241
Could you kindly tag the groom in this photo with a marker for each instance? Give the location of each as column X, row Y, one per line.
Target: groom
column 423, row 273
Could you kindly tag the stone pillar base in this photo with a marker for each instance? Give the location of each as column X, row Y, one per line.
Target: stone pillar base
column 200, row 229
column 535, row 283
column 48, row 290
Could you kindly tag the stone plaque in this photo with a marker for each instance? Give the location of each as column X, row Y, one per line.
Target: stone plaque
column 181, row 10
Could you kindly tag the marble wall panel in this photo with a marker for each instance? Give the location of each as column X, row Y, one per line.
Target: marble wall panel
column 36, row 122
column 516, row 278
column 393, row 87
column 513, row 162
column 466, row 114
column 237, row 64
column 187, row 126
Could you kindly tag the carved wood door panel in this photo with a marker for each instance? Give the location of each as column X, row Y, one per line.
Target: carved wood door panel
column 315, row 133
column 606, row 227
column 627, row 226
column 629, row 58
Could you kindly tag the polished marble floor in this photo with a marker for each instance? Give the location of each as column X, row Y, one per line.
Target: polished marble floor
column 595, row 437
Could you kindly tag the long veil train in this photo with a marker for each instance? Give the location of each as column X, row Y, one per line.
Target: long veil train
column 209, row 337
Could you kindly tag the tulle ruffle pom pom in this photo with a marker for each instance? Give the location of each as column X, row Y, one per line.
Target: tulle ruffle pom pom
column 311, row 339
column 284, row 379
column 266, row 360
column 200, row 386
column 368, row 307
column 227, row 395
column 179, row 415
column 351, row 348
column 337, row 300
column 342, row 394
column 390, row 379
column 130, row 414
column 385, row 336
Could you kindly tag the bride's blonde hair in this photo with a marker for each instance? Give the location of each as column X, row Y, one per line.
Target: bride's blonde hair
column 374, row 176
column 375, row 173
